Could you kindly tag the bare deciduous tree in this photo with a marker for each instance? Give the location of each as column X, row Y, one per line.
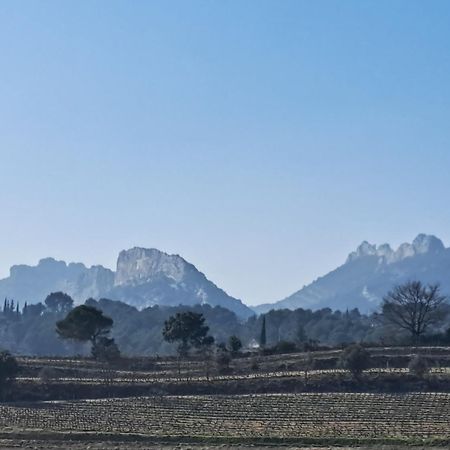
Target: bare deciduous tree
column 414, row 307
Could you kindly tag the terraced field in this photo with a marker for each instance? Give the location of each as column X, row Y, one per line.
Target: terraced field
column 287, row 417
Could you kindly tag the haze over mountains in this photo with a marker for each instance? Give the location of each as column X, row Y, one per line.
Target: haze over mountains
column 147, row 277
column 370, row 272
column 144, row 277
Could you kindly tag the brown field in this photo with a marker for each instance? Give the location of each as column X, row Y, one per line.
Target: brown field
column 183, row 410
column 277, row 418
column 8, row 444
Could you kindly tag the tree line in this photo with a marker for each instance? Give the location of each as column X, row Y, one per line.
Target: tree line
column 412, row 312
column 418, row 311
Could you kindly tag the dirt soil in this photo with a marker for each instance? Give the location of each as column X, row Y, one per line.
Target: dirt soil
column 12, row 444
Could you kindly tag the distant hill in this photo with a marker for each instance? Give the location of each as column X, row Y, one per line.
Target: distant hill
column 144, row 277
column 369, row 273
column 148, row 277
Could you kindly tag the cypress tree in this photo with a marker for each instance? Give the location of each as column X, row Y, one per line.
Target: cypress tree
column 263, row 338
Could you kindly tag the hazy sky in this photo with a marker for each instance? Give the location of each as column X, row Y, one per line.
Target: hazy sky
column 261, row 140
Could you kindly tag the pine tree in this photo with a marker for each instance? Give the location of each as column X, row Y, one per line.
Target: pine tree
column 263, row 338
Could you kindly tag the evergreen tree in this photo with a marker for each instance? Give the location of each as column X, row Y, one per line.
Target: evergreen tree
column 84, row 323
column 263, row 337
column 59, row 302
column 301, row 335
column 186, row 328
column 234, row 344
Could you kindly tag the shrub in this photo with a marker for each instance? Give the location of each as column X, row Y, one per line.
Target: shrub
column 105, row 349
column 281, row 347
column 418, row 366
column 8, row 369
column 254, row 365
column 234, row 344
column 223, row 361
column 355, row 359
column 47, row 374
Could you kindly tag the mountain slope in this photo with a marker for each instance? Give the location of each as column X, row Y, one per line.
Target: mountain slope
column 369, row 273
column 33, row 283
column 147, row 277
column 144, row 277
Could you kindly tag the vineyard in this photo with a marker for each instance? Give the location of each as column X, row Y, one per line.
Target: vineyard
column 385, row 360
column 288, row 367
column 161, row 400
column 288, row 417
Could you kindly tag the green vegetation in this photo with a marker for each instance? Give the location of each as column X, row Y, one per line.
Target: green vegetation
column 188, row 329
column 8, row 371
column 85, row 323
column 289, row 389
column 263, row 335
column 31, row 330
column 355, row 359
column 59, row 302
column 234, row 345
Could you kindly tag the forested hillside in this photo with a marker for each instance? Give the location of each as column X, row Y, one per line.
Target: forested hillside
column 31, row 330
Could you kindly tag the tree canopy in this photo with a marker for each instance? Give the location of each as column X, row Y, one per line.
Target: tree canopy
column 59, row 302
column 84, row 323
column 355, row 359
column 188, row 328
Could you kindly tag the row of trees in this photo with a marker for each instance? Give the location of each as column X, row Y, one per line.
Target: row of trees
column 412, row 310
column 412, row 307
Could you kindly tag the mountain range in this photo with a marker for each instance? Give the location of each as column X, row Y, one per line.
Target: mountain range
column 147, row 277
column 369, row 273
column 144, row 277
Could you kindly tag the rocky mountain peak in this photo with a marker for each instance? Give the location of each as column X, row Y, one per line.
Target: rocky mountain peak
column 427, row 244
column 422, row 244
column 364, row 249
column 139, row 265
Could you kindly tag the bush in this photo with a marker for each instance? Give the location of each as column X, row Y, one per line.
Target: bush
column 47, row 374
column 355, row 359
column 418, row 366
column 8, row 369
column 281, row 347
column 254, row 365
column 106, row 350
column 223, row 361
column 234, row 344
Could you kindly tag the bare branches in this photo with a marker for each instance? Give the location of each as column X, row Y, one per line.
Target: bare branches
column 414, row 307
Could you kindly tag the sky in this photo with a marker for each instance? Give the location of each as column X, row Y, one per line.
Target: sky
column 261, row 140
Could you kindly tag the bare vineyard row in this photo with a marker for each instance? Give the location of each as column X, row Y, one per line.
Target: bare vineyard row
column 326, row 415
column 158, row 377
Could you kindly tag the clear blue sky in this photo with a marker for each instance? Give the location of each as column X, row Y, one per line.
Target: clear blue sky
column 261, row 140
